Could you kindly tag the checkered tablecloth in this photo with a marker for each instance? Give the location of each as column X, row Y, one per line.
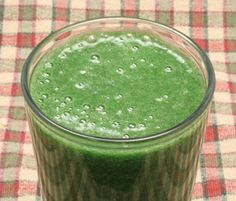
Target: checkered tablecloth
column 211, row 23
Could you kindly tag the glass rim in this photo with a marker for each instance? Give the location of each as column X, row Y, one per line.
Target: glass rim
column 197, row 113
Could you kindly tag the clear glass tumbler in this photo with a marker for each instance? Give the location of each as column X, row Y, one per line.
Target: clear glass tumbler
column 77, row 167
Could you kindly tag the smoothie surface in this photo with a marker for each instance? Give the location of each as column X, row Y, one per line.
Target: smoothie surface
column 117, row 85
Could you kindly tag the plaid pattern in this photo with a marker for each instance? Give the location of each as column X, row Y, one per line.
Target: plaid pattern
column 212, row 24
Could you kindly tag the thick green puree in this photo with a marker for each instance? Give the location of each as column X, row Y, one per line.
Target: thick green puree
column 117, row 84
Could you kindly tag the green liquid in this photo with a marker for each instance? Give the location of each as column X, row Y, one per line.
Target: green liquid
column 117, row 85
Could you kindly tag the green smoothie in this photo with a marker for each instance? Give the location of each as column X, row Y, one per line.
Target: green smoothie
column 118, row 85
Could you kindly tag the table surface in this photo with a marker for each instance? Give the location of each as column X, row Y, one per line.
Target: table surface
column 211, row 23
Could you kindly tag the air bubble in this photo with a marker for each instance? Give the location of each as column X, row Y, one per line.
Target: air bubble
column 63, row 104
column 56, row 88
column 86, row 106
column 82, row 72
column 67, row 113
column 125, row 136
column 129, row 35
column 62, row 55
column 80, row 85
column 130, row 109
column 146, row 38
column 120, row 71
column 118, row 97
column 133, row 66
column 119, row 112
column 48, row 65
column 83, row 112
column 45, row 74
column 68, row 99
column 168, row 69
column 44, row 96
column 47, row 81
column 61, row 72
column 92, row 39
column 150, row 117
column 41, row 82
column 100, row 108
column 165, row 96
column 141, row 126
column 131, row 126
column 151, row 65
column 56, row 100
column 91, row 124
column 95, row 59
column 142, row 60
column 82, row 121
column 134, row 48
column 115, row 124
column 161, row 98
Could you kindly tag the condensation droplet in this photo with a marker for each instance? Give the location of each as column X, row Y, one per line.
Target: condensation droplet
column 133, row 66
column 120, row 71
column 125, row 136
column 68, row 99
column 130, row 109
column 82, row 72
column 95, row 59
column 115, row 124
column 134, row 48
column 48, row 65
column 80, row 85
column 92, row 39
column 168, row 69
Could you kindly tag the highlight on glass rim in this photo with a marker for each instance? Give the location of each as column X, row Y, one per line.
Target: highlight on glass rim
column 117, row 109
